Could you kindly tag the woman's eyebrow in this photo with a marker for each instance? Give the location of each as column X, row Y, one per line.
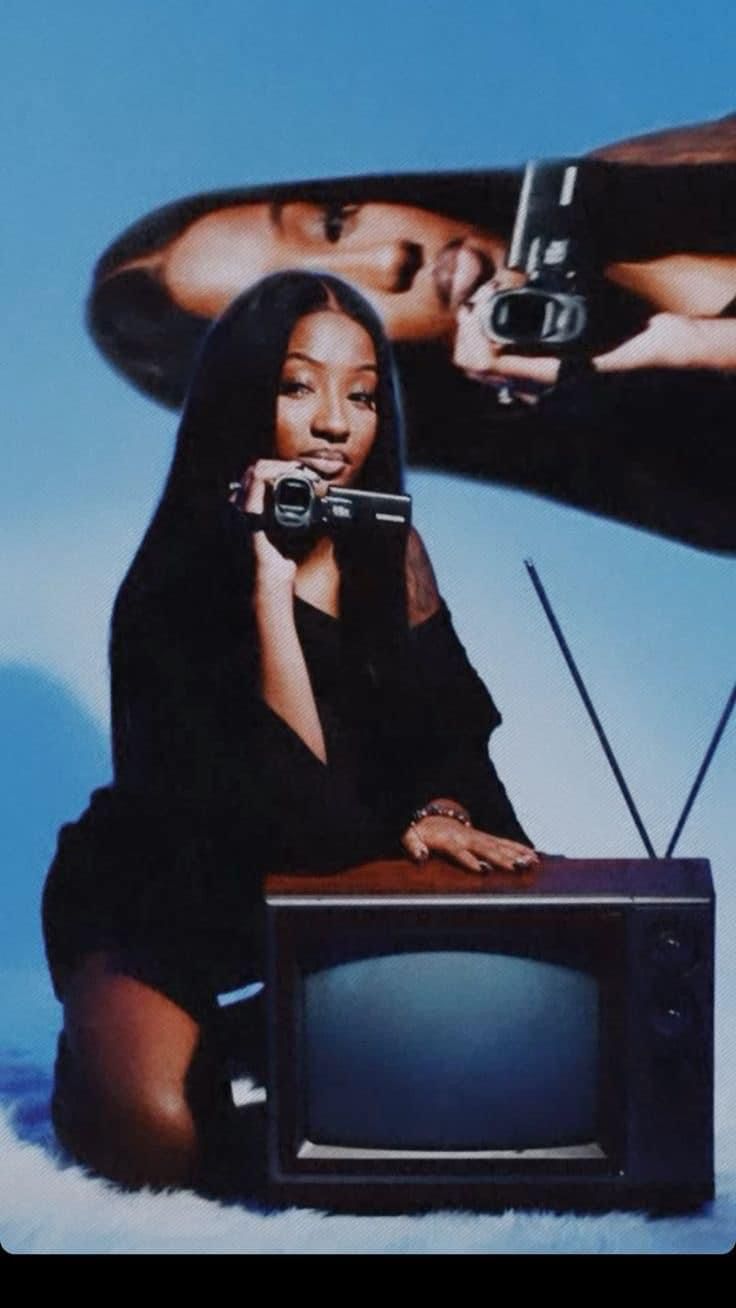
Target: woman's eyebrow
column 319, row 363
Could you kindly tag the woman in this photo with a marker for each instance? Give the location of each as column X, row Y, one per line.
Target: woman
column 277, row 704
column 650, row 446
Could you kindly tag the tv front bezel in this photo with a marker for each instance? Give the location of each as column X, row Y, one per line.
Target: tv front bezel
column 582, row 923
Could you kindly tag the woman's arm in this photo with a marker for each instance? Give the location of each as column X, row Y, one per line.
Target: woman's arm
column 669, row 340
column 424, row 601
column 447, row 829
column 695, row 285
column 421, row 585
column 284, row 678
column 696, row 143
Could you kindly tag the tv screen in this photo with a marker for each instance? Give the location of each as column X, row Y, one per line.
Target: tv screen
column 512, row 1042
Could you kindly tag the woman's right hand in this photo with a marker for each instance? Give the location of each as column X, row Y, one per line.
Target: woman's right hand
column 483, row 359
column 470, row 848
column 272, row 567
column 284, row 677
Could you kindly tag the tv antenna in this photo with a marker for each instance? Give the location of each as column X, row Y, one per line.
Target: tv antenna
column 707, row 758
column 608, row 751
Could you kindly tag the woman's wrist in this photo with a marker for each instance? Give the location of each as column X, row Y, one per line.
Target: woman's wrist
column 446, row 808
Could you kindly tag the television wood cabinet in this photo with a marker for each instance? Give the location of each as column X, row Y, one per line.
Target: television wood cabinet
column 542, row 1038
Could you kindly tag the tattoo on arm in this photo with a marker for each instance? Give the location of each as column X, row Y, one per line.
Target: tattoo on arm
column 421, row 586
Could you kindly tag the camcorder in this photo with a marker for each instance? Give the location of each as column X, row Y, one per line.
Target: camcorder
column 566, row 307
column 295, row 506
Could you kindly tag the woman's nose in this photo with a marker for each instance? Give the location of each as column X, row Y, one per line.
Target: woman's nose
column 390, row 266
column 330, row 419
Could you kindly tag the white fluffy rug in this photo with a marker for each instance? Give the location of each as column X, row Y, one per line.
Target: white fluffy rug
column 48, row 1206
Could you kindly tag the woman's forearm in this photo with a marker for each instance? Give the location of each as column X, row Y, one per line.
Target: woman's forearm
column 285, row 682
column 699, row 285
column 672, row 340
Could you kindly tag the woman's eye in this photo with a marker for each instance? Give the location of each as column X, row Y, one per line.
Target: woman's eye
column 289, row 386
column 365, row 398
column 335, row 219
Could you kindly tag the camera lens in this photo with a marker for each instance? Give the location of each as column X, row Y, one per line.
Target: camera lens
column 293, row 497
column 523, row 316
column 293, row 494
column 527, row 318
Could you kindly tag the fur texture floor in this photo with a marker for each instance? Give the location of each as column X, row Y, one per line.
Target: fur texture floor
column 50, row 1206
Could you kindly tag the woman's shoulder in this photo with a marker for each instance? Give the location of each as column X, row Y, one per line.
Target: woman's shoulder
column 454, row 693
column 423, row 596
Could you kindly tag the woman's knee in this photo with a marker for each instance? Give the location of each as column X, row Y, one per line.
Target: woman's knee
column 129, row 1079
column 148, row 1138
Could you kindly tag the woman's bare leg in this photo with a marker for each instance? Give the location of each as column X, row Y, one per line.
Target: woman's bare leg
column 136, row 1080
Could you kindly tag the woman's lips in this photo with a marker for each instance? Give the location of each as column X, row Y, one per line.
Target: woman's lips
column 328, row 463
column 458, row 271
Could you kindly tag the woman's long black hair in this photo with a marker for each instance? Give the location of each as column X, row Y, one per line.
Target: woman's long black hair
column 190, row 580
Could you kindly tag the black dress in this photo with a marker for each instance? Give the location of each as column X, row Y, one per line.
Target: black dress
column 213, row 790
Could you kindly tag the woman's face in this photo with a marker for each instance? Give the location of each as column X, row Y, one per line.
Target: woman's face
column 415, row 267
column 326, row 406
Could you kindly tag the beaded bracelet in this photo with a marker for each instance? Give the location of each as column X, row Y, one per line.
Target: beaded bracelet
column 440, row 810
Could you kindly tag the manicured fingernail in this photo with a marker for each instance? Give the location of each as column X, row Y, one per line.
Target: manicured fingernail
column 485, row 868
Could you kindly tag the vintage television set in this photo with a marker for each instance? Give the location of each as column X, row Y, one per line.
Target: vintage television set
column 540, row 1039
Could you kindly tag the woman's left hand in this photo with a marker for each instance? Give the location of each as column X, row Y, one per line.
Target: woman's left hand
column 477, row 851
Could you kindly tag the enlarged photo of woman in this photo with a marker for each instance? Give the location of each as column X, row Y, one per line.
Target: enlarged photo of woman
column 430, row 251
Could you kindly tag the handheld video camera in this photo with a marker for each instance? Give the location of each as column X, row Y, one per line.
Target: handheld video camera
column 566, row 306
column 295, row 506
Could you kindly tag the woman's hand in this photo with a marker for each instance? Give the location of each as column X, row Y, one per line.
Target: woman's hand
column 284, row 681
column 486, row 360
column 465, row 845
column 272, row 567
column 669, row 340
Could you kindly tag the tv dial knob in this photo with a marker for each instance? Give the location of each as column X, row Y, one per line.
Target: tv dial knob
column 672, row 1017
column 670, row 949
